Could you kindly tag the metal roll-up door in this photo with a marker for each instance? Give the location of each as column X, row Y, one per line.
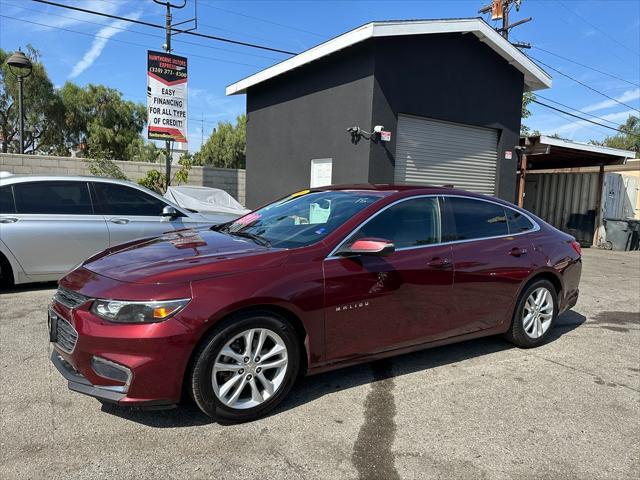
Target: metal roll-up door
column 431, row 152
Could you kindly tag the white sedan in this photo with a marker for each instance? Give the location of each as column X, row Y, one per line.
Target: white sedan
column 49, row 224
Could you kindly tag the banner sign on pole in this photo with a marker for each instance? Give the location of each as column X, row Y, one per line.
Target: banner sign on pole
column 166, row 97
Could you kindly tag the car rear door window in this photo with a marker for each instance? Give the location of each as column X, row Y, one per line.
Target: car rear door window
column 518, row 223
column 55, row 197
column 123, row 200
column 477, row 218
column 7, row 204
column 410, row 223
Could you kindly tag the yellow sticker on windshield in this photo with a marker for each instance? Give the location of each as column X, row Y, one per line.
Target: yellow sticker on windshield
column 299, row 194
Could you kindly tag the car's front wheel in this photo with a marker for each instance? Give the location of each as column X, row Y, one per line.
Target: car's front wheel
column 246, row 367
column 535, row 314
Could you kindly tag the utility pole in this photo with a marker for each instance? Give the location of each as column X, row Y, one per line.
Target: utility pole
column 167, row 48
column 500, row 10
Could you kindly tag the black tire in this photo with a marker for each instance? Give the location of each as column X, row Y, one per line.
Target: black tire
column 200, row 374
column 6, row 273
column 517, row 333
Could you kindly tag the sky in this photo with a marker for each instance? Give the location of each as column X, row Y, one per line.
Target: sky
column 601, row 34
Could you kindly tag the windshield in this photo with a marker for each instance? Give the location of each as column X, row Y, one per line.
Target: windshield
column 302, row 218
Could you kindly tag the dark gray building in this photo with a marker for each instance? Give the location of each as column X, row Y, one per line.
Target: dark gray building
column 448, row 91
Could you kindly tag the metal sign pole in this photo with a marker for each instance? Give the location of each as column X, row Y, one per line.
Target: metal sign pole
column 167, row 49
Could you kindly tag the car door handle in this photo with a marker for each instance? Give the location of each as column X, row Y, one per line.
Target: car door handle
column 439, row 262
column 518, row 252
column 8, row 219
column 119, row 220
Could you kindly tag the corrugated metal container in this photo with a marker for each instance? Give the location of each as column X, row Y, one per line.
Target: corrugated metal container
column 568, row 200
column 565, row 200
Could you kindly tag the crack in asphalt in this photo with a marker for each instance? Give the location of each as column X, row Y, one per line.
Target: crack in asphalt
column 372, row 453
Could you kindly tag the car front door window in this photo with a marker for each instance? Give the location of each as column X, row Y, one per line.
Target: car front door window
column 411, row 223
column 123, row 200
column 131, row 213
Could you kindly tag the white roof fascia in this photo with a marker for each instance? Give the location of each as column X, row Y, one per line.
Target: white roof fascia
column 535, row 78
column 560, row 142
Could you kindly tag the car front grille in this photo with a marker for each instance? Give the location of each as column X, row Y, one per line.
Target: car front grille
column 68, row 298
column 67, row 336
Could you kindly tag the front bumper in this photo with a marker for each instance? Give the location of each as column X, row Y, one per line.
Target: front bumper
column 78, row 383
column 155, row 355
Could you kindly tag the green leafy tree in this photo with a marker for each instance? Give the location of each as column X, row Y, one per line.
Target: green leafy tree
column 43, row 110
column 100, row 123
column 156, row 181
column 105, row 167
column 226, row 147
column 141, row 151
column 527, row 98
column 628, row 140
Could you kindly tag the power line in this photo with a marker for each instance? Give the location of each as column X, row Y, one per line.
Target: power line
column 146, row 47
column 174, row 30
column 591, row 128
column 263, row 20
column 202, row 24
column 582, row 118
column 132, row 97
column 586, row 66
column 603, row 32
column 575, row 109
column 186, row 42
column 582, row 83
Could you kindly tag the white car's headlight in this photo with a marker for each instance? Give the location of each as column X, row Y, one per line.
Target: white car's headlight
column 123, row 311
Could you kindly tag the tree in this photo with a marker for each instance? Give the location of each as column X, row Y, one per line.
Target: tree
column 628, row 140
column 226, row 147
column 100, row 123
column 105, row 167
column 527, row 98
column 156, row 181
column 43, row 109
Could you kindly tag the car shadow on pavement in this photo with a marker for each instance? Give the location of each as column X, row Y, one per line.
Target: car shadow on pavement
column 28, row 287
column 309, row 389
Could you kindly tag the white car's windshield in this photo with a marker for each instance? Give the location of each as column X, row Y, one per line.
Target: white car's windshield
column 302, row 218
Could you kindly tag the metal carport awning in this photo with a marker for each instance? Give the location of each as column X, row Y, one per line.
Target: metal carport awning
column 541, row 152
column 545, row 153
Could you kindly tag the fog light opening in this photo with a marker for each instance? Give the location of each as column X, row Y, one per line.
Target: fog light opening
column 111, row 370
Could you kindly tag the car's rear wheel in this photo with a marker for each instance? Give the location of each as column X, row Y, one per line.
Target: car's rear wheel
column 246, row 367
column 535, row 314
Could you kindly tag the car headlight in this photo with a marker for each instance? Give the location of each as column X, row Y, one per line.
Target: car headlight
column 122, row 311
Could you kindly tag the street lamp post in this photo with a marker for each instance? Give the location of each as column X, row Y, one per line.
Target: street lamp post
column 20, row 66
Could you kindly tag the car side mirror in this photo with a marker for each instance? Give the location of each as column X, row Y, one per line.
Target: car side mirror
column 370, row 246
column 170, row 212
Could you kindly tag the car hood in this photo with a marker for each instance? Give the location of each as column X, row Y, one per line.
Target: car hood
column 183, row 256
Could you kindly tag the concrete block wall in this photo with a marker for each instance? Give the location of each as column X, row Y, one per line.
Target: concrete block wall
column 230, row 180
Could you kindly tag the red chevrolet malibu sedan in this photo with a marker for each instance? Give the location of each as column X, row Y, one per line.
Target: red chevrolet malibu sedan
column 315, row 281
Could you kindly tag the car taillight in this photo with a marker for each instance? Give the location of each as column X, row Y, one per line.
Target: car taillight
column 576, row 246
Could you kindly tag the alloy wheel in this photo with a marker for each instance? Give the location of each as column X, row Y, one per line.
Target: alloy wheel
column 537, row 313
column 250, row 368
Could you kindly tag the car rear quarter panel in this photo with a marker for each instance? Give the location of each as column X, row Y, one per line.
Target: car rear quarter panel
column 556, row 256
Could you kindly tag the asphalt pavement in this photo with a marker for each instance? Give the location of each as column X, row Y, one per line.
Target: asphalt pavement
column 478, row 410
